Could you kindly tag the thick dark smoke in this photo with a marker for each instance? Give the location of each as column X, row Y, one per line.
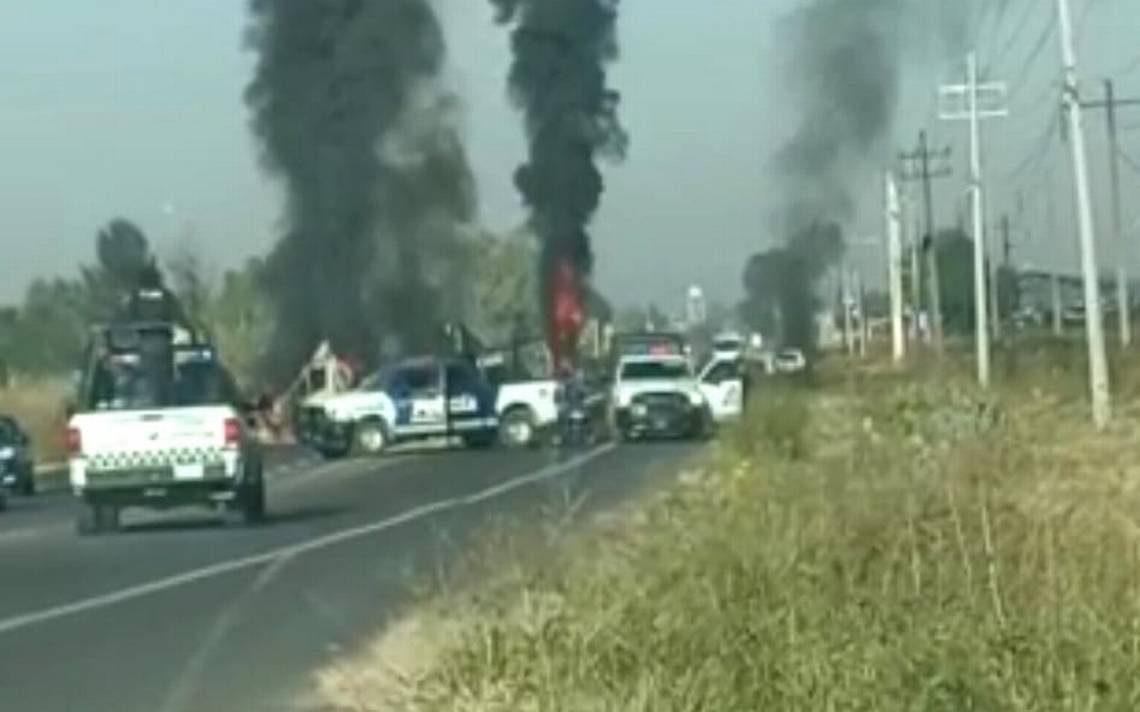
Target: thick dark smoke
column 342, row 94
column 843, row 60
column 779, row 281
column 843, row 85
column 558, row 79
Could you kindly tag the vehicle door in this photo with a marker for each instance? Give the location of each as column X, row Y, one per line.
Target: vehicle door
column 722, row 385
column 470, row 400
column 417, row 392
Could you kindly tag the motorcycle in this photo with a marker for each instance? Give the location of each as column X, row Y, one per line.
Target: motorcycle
column 575, row 427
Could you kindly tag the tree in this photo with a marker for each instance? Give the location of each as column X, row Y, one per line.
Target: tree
column 239, row 319
column 504, row 304
column 955, row 254
column 191, row 283
column 123, row 252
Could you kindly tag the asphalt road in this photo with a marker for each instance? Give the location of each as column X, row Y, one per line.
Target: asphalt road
column 180, row 612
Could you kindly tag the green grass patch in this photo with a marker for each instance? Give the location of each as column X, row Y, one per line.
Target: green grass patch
column 897, row 542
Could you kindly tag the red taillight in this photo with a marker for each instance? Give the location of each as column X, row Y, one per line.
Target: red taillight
column 74, row 442
column 233, row 432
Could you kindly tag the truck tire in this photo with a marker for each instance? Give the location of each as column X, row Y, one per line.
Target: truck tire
column 370, row 437
column 251, row 503
column 517, row 428
column 26, row 485
column 97, row 518
column 333, row 453
column 481, row 440
column 703, row 428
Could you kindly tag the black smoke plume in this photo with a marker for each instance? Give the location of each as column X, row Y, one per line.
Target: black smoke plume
column 342, row 91
column 558, row 79
column 842, row 85
column 781, row 300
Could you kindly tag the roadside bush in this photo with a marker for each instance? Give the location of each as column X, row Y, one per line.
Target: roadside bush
column 38, row 404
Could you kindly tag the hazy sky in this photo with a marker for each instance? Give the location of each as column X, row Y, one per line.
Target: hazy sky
column 134, row 108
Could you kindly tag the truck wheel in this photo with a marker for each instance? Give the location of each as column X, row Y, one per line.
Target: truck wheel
column 252, row 503
column 702, row 429
column 481, row 440
column 333, row 453
column 26, row 485
column 371, row 438
column 517, row 428
column 97, row 519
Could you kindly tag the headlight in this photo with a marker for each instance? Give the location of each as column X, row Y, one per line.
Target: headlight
column 639, row 409
column 7, row 453
column 696, row 399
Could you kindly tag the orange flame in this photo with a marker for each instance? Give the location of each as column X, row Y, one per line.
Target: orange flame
column 566, row 317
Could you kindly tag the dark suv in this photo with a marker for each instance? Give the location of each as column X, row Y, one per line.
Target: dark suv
column 17, row 468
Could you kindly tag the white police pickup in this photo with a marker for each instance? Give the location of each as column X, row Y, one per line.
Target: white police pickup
column 659, row 395
column 128, row 448
column 414, row 399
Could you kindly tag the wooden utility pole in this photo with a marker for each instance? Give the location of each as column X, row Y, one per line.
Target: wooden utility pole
column 925, row 174
column 1123, row 302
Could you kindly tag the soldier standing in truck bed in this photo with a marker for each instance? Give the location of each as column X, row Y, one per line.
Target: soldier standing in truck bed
column 150, row 300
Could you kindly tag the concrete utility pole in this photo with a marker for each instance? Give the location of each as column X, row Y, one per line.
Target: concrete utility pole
column 848, row 333
column 933, row 289
column 894, row 265
column 1094, row 326
column 1110, row 104
column 973, row 113
column 864, row 327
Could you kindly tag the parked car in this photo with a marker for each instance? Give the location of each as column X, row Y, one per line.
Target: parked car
column 790, row 361
column 17, row 466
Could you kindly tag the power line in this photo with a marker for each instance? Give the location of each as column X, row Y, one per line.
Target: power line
column 1131, row 66
column 1040, row 150
column 1027, row 66
column 1129, row 161
column 1012, row 41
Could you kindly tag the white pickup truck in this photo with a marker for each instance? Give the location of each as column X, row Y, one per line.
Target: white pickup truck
column 660, row 395
column 132, row 444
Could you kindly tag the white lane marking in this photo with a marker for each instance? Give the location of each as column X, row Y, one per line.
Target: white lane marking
column 179, row 696
column 15, row 623
column 34, row 530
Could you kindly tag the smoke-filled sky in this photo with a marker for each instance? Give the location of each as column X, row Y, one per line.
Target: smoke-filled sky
column 134, row 108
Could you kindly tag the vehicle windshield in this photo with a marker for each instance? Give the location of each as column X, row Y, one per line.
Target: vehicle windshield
column 121, row 383
column 374, row 382
column 727, row 344
column 651, row 370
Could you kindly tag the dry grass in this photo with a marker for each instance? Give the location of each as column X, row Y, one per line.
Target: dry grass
column 39, row 406
column 896, row 543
